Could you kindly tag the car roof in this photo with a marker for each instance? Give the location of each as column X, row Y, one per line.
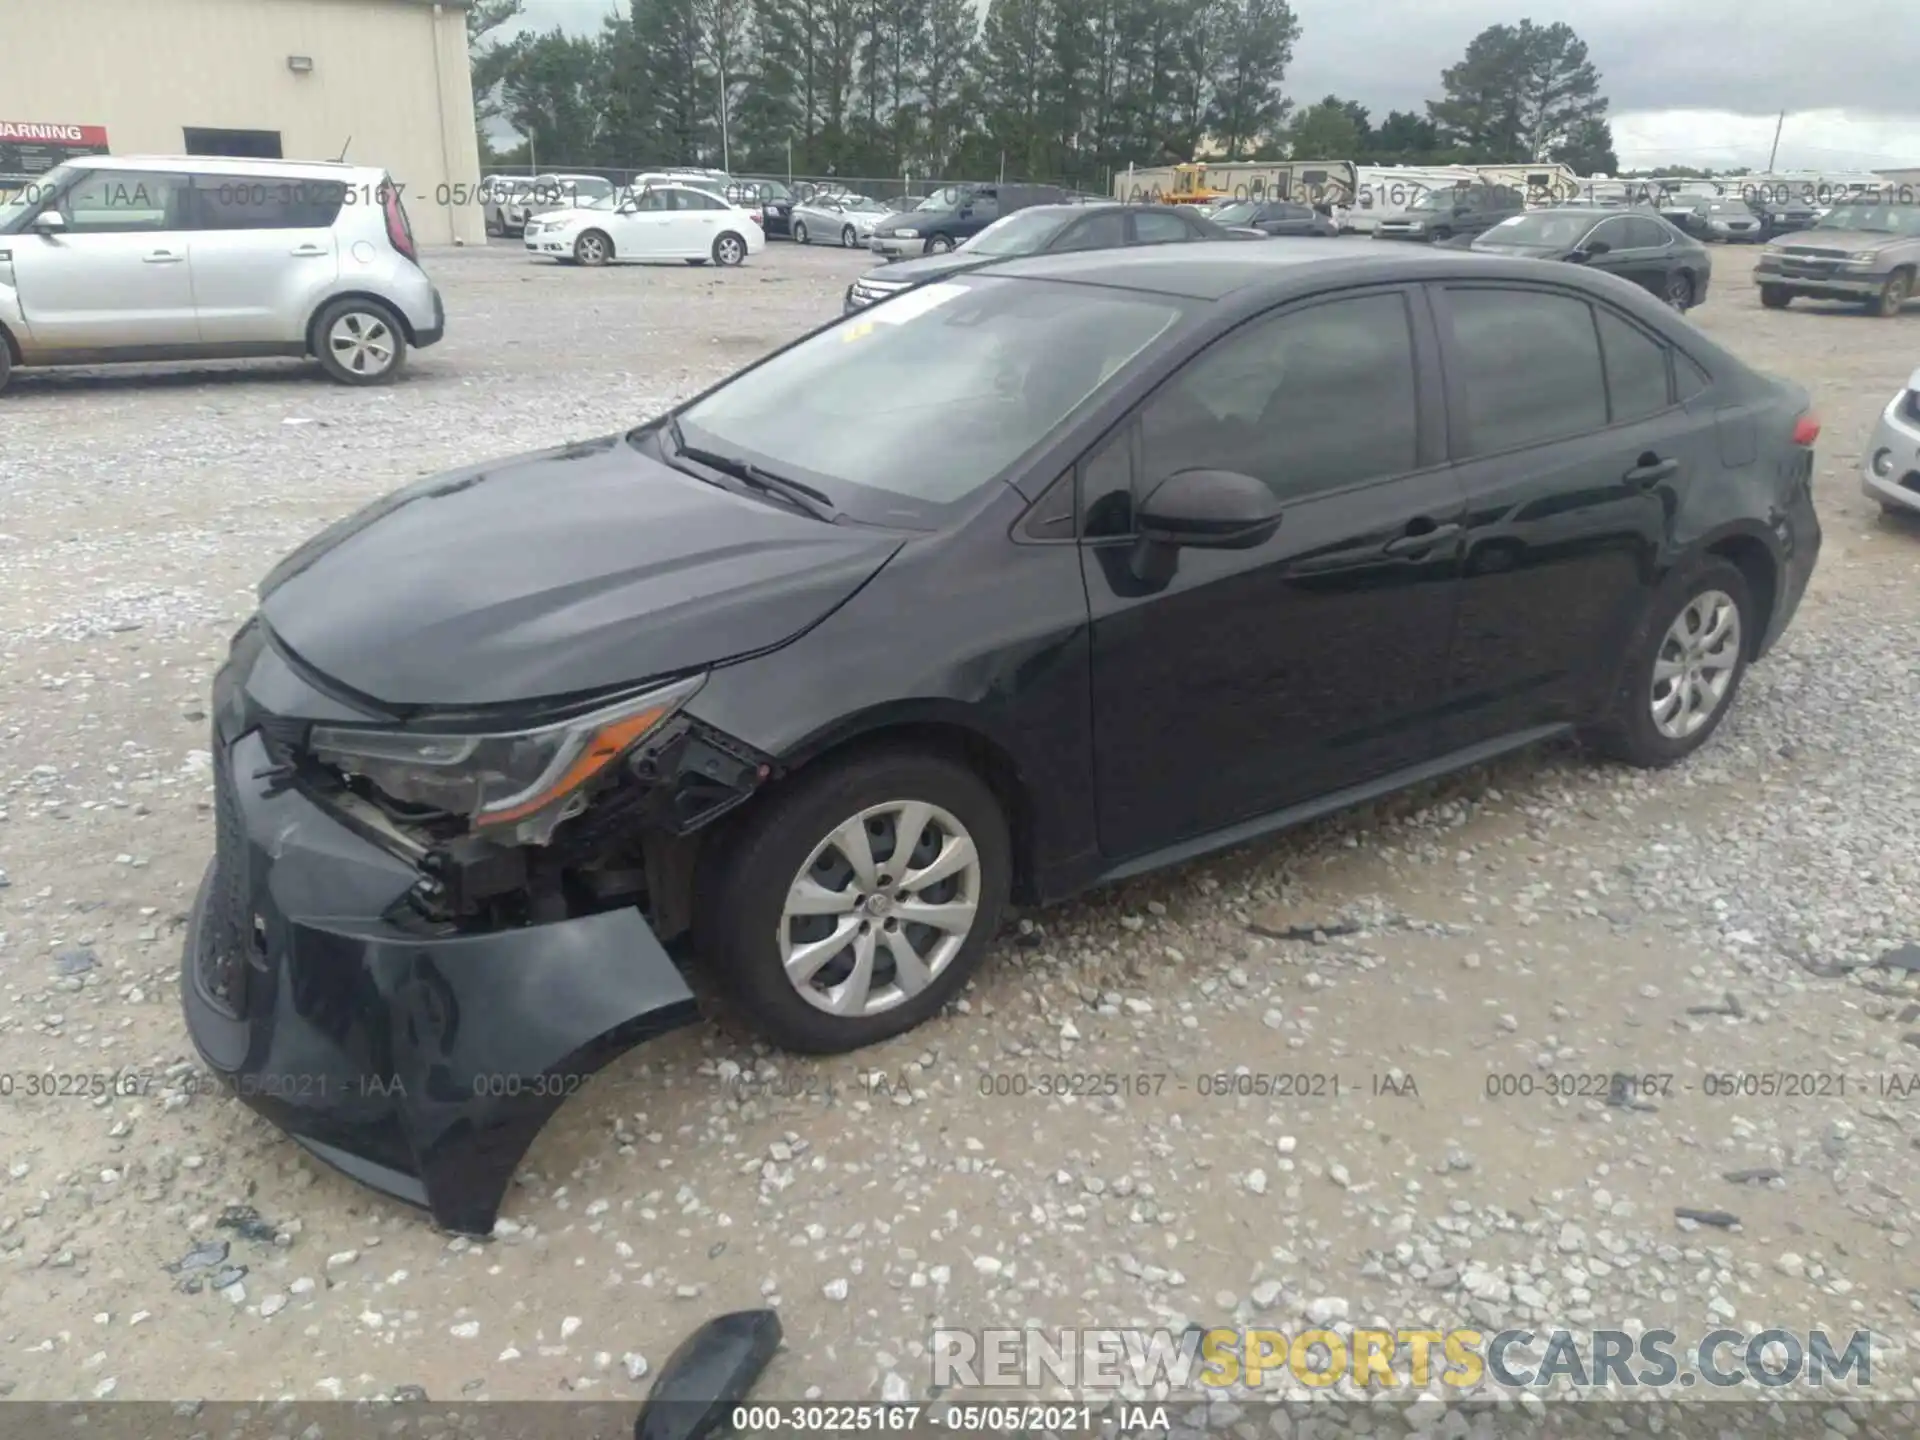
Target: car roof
column 194, row 164
column 1216, row 269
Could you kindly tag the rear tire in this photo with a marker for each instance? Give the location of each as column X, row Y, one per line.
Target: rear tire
column 359, row 342
column 1892, row 297
column 1679, row 291
column 782, row 876
column 1775, row 297
column 729, row 249
column 6, row 363
column 1442, row 234
column 1693, row 603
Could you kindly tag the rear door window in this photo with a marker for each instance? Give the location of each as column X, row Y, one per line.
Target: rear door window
column 1526, row 367
column 1637, row 383
column 1152, row 227
column 247, row 202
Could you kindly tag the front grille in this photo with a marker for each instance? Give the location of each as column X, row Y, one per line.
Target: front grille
column 227, row 941
column 1812, row 252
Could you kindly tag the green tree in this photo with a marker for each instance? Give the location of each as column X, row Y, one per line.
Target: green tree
column 1015, row 40
column 487, row 58
column 942, row 50
column 1325, row 131
column 1519, row 93
column 550, row 92
column 1404, row 138
column 1247, row 106
column 1588, row 150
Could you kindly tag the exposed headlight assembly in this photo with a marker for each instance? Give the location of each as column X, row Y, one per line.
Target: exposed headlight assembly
column 906, row 234
column 1864, row 257
column 518, row 785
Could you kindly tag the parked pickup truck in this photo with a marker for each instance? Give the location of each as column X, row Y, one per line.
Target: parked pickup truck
column 1865, row 253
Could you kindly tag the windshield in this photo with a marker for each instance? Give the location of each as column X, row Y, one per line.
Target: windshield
column 997, row 364
column 1736, row 208
column 1021, row 233
column 17, row 204
column 1875, row 219
column 946, row 198
column 1241, row 212
column 1542, row 227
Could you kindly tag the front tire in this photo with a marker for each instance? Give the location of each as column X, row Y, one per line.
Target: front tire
column 827, row 933
column 593, row 248
column 1689, row 658
column 849, row 237
column 360, row 342
column 1775, row 297
column 729, row 249
column 1892, row 297
column 939, row 245
column 799, row 232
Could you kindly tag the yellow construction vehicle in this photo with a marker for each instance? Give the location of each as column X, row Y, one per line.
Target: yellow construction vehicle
column 1190, row 187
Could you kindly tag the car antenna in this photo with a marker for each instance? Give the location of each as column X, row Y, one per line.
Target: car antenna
column 343, row 151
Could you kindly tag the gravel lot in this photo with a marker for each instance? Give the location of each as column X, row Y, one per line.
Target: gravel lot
column 1548, row 915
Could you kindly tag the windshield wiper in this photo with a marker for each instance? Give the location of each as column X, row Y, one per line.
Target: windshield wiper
column 816, row 503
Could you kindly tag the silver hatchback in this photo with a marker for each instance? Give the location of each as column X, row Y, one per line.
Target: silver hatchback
column 111, row 258
column 1890, row 468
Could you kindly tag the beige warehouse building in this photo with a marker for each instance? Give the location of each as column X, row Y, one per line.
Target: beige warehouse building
column 384, row 80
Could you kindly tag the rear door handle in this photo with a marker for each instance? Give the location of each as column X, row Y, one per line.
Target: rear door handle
column 308, row 250
column 1651, row 471
column 163, row 257
column 1416, row 541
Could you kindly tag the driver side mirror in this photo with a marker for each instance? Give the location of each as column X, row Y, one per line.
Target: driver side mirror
column 1594, row 248
column 1209, row 510
column 49, row 222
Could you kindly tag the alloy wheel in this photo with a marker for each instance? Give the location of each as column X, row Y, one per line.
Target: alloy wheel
column 729, row 251
column 1679, row 290
column 362, row 343
column 591, row 250
column 1695, row 666
column 848, row 237
column 881, row 907
column 799, row 232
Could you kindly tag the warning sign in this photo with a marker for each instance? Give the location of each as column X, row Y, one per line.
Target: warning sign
column 33, row 147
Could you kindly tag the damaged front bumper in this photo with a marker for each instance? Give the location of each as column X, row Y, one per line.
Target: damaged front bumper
column 421, row 1064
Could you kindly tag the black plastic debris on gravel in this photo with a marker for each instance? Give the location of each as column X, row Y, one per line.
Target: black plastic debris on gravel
column 245, row 1222
column 76, row 961
column 1719, row 1219
column 1901, row 957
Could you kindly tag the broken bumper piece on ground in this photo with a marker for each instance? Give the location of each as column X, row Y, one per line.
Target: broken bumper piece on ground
column 420, row 1065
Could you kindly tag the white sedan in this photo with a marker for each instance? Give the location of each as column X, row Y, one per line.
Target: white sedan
column 662, row 222
column 846, row 220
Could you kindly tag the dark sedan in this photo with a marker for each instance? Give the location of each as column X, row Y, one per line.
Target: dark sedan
column 772, row 199
column 1274, row 217
column 1044, row 230
column 1636, row 245
column 1195, row 543
column 1707, row 217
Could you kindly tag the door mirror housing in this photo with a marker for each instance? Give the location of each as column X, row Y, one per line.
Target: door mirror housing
column 49, row 222
column 1209, row 510
column 1592, row 248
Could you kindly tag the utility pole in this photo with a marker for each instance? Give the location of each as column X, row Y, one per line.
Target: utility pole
column 1774, row 153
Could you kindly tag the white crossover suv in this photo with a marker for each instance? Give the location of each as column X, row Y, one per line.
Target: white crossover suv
column 111, row 258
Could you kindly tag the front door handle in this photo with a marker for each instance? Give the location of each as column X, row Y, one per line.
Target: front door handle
column 163, row 257
column 1651, row 471
column 1416, row 541
column 308, row 250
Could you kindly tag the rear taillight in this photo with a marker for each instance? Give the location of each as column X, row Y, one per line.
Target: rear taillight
column 1806, row 430
column 399, row 232
column 754, row 215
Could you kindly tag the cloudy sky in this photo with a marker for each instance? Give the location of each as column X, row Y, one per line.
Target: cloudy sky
column 1694, row 84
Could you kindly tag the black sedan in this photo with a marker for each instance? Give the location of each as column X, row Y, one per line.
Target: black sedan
column 1196, row 543
column 1636, row 245
column 1045, row 230
column 1274, row 217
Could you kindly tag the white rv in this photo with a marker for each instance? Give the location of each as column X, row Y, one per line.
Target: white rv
column 1542, row 184
column 1383, row 192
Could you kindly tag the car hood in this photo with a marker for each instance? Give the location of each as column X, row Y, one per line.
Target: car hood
column 1848, row 239
column 565, row 571
column 934, row 267
column 571, row 214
